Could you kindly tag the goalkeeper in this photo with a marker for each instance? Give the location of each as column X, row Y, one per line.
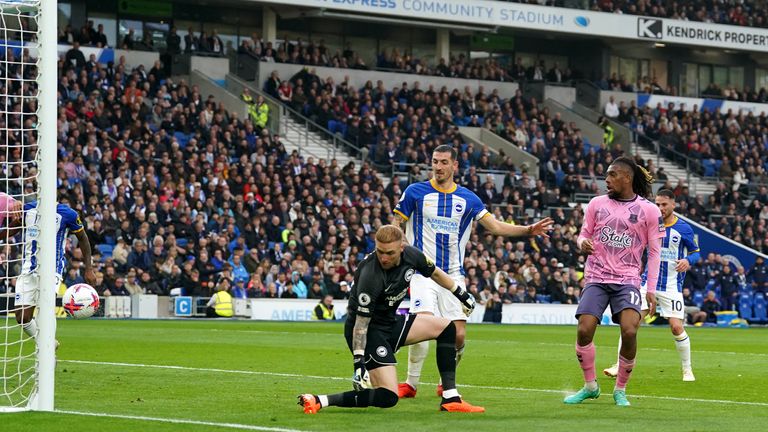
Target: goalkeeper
column 374, row 331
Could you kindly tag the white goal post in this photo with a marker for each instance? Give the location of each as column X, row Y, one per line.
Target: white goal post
column 28, row 148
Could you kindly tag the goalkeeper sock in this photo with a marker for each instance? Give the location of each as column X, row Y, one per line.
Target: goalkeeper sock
column 416, row 355
column 378, row 397
column 683, row 345
column 30, row 328
column 459, row 355
column 446, row 356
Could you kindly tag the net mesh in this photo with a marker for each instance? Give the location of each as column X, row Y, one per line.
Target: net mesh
column 18, row 180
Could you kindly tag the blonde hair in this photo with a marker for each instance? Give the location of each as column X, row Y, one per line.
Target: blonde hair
column 389, row 234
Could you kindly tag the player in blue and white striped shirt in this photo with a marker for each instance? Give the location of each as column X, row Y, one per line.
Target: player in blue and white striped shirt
column 679, row 252
column 67, row 222
column 439, row 215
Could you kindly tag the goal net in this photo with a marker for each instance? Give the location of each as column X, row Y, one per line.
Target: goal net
column 21, row 97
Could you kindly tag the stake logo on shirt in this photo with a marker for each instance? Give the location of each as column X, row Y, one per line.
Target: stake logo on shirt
column 613, row 239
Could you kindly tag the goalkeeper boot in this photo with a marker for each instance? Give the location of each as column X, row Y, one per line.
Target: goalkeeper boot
column 405, row 390
column 310, row 403
column 459, row 406
column 582, row 395
column 612, row 371
column 620, row 397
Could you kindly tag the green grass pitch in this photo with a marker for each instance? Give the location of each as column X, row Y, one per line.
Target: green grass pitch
column 223, row 376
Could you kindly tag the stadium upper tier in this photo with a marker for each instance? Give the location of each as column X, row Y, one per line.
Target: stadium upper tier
column 741, row 13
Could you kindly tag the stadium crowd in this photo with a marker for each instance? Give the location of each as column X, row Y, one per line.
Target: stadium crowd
column 733, row 12
column 173, row 189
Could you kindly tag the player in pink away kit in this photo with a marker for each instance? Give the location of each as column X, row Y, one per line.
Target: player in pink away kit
column 10, row 209
column 617, row 229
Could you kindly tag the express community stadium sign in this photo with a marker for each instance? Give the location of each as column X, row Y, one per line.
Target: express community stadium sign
column 488, row 13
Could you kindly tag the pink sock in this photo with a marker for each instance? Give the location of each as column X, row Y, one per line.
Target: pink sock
column 625, row 371
column 586, row 357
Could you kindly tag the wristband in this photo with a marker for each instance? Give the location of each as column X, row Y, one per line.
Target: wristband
column 360, row 353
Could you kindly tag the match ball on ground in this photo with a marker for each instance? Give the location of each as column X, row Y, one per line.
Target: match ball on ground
column 80, row 301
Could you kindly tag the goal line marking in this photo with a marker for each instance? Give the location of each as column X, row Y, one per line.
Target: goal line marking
column 291, row 375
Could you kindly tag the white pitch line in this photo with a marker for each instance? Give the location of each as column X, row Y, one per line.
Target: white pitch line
column 180, row 421
column 492, row 341
column 484, row 387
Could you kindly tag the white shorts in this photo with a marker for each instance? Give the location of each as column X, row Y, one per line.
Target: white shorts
column 428, row 296
column 27, row 289
column 668, row 303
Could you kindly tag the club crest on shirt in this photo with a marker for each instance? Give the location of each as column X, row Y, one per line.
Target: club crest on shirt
column 633, row 218
column 458, row 208
column 409, row 274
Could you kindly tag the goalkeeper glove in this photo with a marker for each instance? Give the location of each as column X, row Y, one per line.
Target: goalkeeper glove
column 466, row 299
column 360, row 379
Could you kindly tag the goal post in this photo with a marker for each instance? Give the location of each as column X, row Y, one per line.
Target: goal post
column 28, row 148
column 47, row 152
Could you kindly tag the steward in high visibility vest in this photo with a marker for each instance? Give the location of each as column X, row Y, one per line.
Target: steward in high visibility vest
column 220, row 305
column 262, row 113
column 608, row 134
column 246, row 96
column 324, row 309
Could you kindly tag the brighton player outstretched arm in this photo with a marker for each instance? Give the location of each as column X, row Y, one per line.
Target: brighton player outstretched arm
column 497, row 227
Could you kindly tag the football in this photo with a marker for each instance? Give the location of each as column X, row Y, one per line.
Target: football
column 80, row 301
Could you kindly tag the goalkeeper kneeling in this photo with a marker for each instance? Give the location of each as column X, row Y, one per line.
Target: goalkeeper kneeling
column 375, row 331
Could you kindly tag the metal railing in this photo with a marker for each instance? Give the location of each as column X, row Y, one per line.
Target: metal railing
column 667, row 152
column 310, row 131
column 588, row 94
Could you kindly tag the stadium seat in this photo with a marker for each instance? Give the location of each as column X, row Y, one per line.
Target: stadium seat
column 745, row 309
column 182, row 138
column 698, row 298
column 105, row 250
column 709, row 167
column 758, row 311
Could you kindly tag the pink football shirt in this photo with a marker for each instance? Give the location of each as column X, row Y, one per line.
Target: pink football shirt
column 620, row 232
column 5, row 205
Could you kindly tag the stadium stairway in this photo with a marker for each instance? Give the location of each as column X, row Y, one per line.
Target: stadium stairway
column 299, row 133
column 697, row 185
